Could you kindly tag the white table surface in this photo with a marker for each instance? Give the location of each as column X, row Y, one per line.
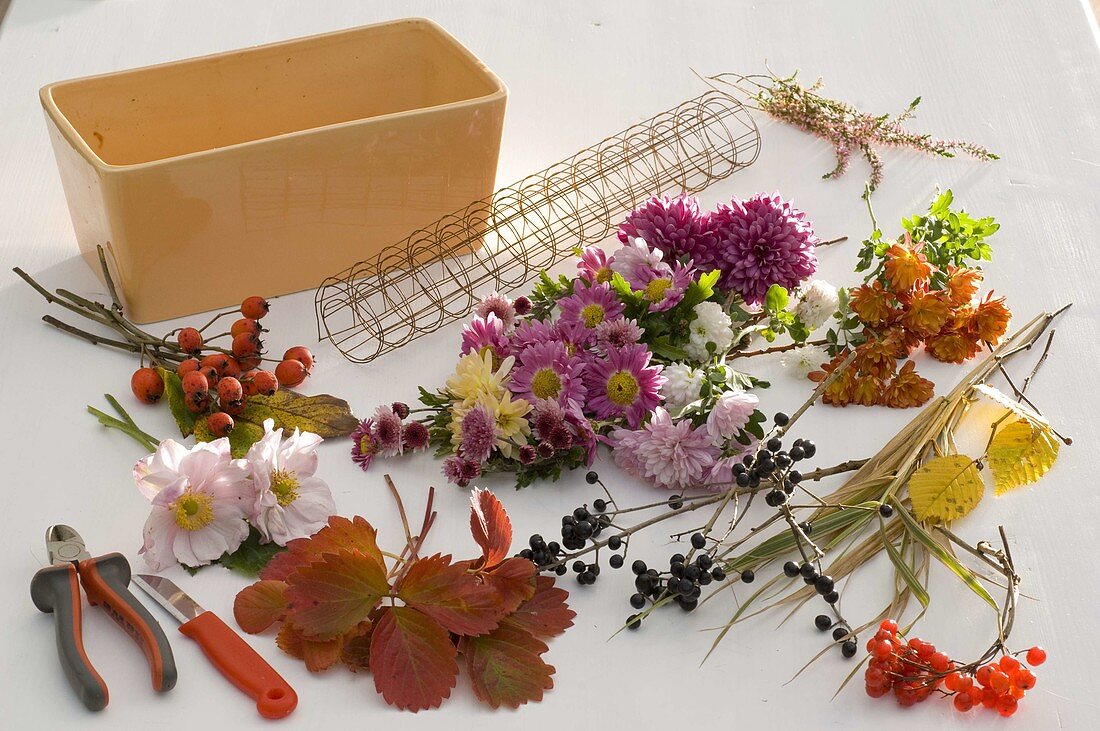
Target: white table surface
column 1020, row 77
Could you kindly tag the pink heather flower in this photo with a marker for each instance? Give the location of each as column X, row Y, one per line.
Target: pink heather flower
column 499, row 305
column 401, row 409
column 529, row 332
column 363, row 445
column 763, row 241
column 485, row 333
column 672, row 454
column 522, row 305
column 674, row 227
column 664, row 287
column 624, row 384
column 415, row 436
column 635, row 258
column 290, row 500
column 387, row 431
column 201, row 500
column 478, row 434
column 617, row 334
column 548, row 371
column 588, row 306
column 730, row 415
column 594, row 266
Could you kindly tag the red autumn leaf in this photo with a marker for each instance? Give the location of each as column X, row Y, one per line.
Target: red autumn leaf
column 490, row 525
column 317, row 654
column 451, row 596
column 412, row 659
column 340, row 534
column 329, row 597
column 545, row 614
column 513, row 582
column 356, row 652
column 259, row 606
column 506, row 667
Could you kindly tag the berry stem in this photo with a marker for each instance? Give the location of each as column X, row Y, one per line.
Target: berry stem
column 777, row 349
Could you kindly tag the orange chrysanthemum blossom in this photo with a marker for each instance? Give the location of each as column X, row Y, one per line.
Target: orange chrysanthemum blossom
column 867, row 390
column 953, row 346
column 871, row 302
column 839, row 391
column 991, row 318
column 903, row 342
column 962, row 284
column 877, row 358
column 925, row 313
column 906, row 265
column 907, row 389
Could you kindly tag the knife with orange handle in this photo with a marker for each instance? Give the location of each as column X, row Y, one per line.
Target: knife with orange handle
column 229, row 653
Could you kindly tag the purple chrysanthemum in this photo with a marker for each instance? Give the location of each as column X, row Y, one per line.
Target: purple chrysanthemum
column 415, row 436
column 460, row 471
column 499, row 305
column 583, row 433
column 624, row 384
column 594, row 265
column 529, row 332
column 763, row 241
column 617, row 334
column 548, row 371
column 589, row 306
column 673, row 454
column 363, row 446
column 387, row 432
column 478, row 434
column 674, row 227
column 664, row 287
column 546, row 416
column 634, row 259
column 483, row 333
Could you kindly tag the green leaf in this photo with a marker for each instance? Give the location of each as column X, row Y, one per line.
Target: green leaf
column 243, row 436
column 252, row 555
column 904, row 569
column 177, row 402
column 776, row 299
column 324, row 415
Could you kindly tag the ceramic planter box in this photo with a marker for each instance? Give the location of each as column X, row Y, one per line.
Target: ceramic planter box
column 264, row 170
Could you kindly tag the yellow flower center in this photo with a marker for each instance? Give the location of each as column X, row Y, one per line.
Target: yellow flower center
column 284, row 484
column 366, row 444
column 604, row 275
column 655, row 290
column 622, row 388
column 545, row 383
column 194, row 510
column 593, row 315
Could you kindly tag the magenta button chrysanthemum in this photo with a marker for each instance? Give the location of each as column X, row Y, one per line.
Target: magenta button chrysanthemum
column 548, row 371
column 674, row 227
column 624, row 384
column 763, row 241
column 589, row 306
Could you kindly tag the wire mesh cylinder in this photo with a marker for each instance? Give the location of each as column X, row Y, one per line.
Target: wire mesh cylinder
column 439, row 273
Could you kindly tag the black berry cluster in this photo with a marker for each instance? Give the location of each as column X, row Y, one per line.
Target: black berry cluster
column 683, row 581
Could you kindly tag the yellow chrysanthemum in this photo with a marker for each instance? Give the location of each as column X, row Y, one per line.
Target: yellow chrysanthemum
column 511, row 423
column 475, row 377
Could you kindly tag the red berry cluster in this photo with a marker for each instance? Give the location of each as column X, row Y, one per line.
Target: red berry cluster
column 219, row 383
column 913, row 669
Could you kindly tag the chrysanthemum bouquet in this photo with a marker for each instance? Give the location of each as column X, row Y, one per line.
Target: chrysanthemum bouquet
column 633, row 351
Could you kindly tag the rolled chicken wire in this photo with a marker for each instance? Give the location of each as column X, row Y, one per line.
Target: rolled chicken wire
column 439, row 273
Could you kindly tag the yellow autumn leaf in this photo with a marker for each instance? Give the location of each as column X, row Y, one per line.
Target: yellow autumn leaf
column 944, row 489
column 1020, row 409
column 1021, row 452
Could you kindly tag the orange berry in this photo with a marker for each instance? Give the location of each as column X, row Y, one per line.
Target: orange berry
column 940, row 662
column 197, row 401
column 187, row 366
column 147, row 385
column 998, row 681
column 1006, row 705
column 877, row 691
column 211, row 373
column 234, row 408
column 245, row 325
column 217, row 361
column 301, row 354
column 963, row 702
column 195, row 382
column 190, row 340
column 229, row 390
column 982, row 676
column 890, row 626
column 232, row 367
column 245, row 345
column 882, row 650
column 1036, row 656
column 989, row 697
column 291, row 372
column 265, row 383
column 1008, row 664
column 220, row 423
column 255, row 307
column 1025, row 679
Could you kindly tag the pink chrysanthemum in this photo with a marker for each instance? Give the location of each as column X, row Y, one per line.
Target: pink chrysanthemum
column 674, row 227
column 624, row 384
column 674, row 455
column 363, row 445
column 730, row 414
column 589, row 306
column 529, row 332
column 634, row 259
column 583, row 433
column 415, row 436
column 617, row 334
column 594, row 265
column 499, row 305
column 460, row 471
column 485, row 333
column 664, row 287
column 763, row 241
column 478, row 434
column 546, row 416
column 548, row 371
column 387, row 431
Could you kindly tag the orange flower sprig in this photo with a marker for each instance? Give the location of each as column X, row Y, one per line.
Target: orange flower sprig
column 921, row 290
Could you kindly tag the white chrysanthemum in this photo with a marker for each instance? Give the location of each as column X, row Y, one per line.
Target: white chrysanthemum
column 817, row 304
column 711, row 325
column 800, row 362
column 682, row 385
column 730, row 415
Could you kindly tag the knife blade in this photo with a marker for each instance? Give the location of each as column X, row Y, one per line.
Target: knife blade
column 229, row 653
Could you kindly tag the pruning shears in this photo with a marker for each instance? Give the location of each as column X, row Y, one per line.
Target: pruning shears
column 106, row 580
